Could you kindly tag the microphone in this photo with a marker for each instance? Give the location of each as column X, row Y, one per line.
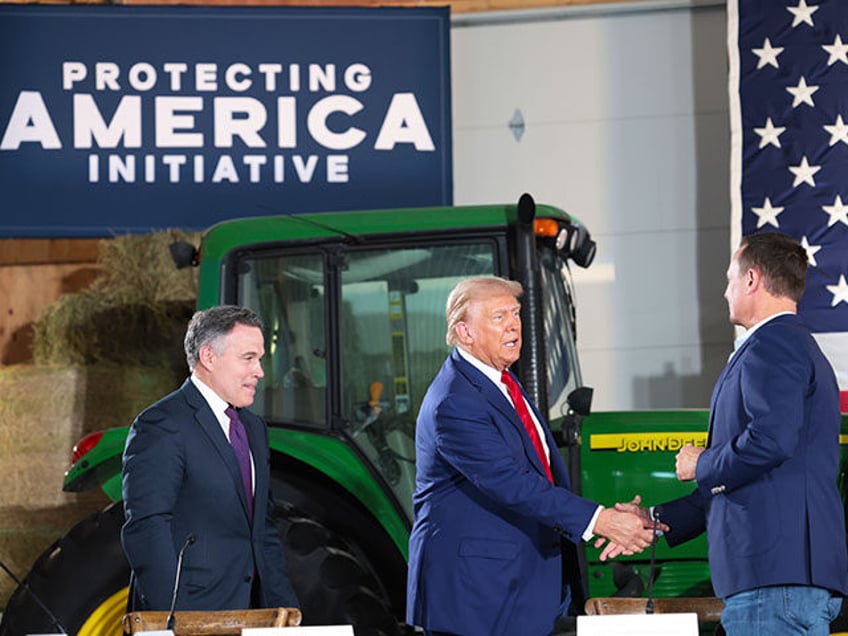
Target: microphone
column 189, row 540
column 47, row 611
column 649, row 606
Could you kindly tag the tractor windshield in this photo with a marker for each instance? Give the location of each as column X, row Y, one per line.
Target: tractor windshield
column 563, row 370
column 393, row 343
column 355, row 335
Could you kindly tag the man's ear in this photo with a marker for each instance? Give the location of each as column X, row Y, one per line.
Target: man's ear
column 206, row 356
column 463, row 333
column 753, row 280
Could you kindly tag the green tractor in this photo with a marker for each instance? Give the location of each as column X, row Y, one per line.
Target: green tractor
column 353, row 305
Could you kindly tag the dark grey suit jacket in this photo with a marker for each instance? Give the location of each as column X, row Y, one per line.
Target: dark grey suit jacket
column 181, row 478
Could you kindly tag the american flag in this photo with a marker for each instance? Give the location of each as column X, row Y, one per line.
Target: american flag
column 789, row 147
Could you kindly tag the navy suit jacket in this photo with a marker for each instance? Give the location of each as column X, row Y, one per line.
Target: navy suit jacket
column 181, row 477
column 485, row 553
column 767, row 483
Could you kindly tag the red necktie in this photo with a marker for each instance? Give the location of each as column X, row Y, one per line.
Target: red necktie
column 526, row 419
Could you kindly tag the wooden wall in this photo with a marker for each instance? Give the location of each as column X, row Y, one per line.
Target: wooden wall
column 457, row 6
column 33, row 273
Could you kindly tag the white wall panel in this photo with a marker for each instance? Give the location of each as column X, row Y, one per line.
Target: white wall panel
column 626, row 128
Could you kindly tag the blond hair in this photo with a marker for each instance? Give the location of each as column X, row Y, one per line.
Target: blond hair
column 468, row 291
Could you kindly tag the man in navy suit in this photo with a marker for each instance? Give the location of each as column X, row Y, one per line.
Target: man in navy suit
column 767, row 482
column 491, row 507
column 184, row 488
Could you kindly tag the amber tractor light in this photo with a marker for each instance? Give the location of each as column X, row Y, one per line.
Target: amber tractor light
column 573, row 241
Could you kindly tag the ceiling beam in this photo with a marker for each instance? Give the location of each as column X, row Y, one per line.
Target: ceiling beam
column 457, row 6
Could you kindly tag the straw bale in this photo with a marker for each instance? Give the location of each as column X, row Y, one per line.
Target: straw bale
column 134, row 313
column 44, row 412
column 101, row 355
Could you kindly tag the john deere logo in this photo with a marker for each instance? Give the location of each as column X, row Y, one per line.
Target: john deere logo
column 641, row 442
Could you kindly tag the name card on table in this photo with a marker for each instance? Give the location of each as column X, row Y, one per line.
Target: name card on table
column 638, row 625
column 310, row 630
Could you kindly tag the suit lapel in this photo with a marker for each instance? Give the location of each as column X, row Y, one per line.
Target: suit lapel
column 500, row 402
column 253, row 427
column 210, row 426
column 718, row 385
column 734, row 360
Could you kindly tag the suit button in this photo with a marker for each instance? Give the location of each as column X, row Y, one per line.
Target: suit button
column 247, row 578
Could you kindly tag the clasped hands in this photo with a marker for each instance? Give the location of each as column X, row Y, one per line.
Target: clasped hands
column 628, row 528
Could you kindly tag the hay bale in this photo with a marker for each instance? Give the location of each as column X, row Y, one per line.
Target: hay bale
column 44, row 411
column 101, row 355
column 134, row 313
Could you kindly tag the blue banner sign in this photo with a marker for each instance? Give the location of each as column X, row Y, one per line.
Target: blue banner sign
column 132, row 119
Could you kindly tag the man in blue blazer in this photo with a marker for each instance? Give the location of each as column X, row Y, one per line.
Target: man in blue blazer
column 485, row 553
column 184, row 489
column 767, row 482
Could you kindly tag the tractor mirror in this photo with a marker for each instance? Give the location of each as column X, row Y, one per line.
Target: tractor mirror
column 580, row 400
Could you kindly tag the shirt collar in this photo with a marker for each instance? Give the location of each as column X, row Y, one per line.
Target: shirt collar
column 747, row 334
column 489, row 371
column 216, row 403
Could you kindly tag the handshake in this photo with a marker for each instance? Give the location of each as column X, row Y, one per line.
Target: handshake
column 628, row 528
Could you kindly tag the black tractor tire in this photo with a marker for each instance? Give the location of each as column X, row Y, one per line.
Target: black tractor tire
column 75, row 579
column 335, row 581
column 82, row 578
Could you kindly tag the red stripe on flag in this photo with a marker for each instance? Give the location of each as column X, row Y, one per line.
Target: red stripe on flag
column 835, row 348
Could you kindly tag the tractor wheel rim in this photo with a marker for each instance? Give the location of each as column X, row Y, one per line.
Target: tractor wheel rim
column 105, row 620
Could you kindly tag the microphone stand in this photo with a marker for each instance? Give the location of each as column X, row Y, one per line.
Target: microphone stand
column 649, row 606
column 47, row 611
column 171, row 618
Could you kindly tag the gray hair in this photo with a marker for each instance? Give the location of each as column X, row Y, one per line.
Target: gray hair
column 470, row 290
column 211, row 326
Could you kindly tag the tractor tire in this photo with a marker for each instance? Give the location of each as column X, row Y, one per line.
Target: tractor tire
column 82, row 578
column 334, row 583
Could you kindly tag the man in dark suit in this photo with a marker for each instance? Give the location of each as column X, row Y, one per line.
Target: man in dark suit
column 492, row 499
column 183, row 481
column 767, row 482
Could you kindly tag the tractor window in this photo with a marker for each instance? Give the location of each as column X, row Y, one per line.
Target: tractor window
column 393, row 344
column 288, row 293
column 563, row 368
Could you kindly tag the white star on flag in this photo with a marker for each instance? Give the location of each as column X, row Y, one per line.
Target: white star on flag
column 802, row 13
column 838, row 212
column 770, row 134
column 804, row 173
column 768, row 54
column 838, row 132
column 802, row 93
column 839, row 291
column 838, row 51
column 811, row 250
column 767, row 214
column 811, row 127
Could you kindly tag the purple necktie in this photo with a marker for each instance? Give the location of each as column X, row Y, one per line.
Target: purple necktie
column 238, row 440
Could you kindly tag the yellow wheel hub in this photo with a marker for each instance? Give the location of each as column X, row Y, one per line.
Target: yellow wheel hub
column 105, row 620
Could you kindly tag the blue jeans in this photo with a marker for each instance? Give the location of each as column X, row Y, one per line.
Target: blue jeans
column 780, row 610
